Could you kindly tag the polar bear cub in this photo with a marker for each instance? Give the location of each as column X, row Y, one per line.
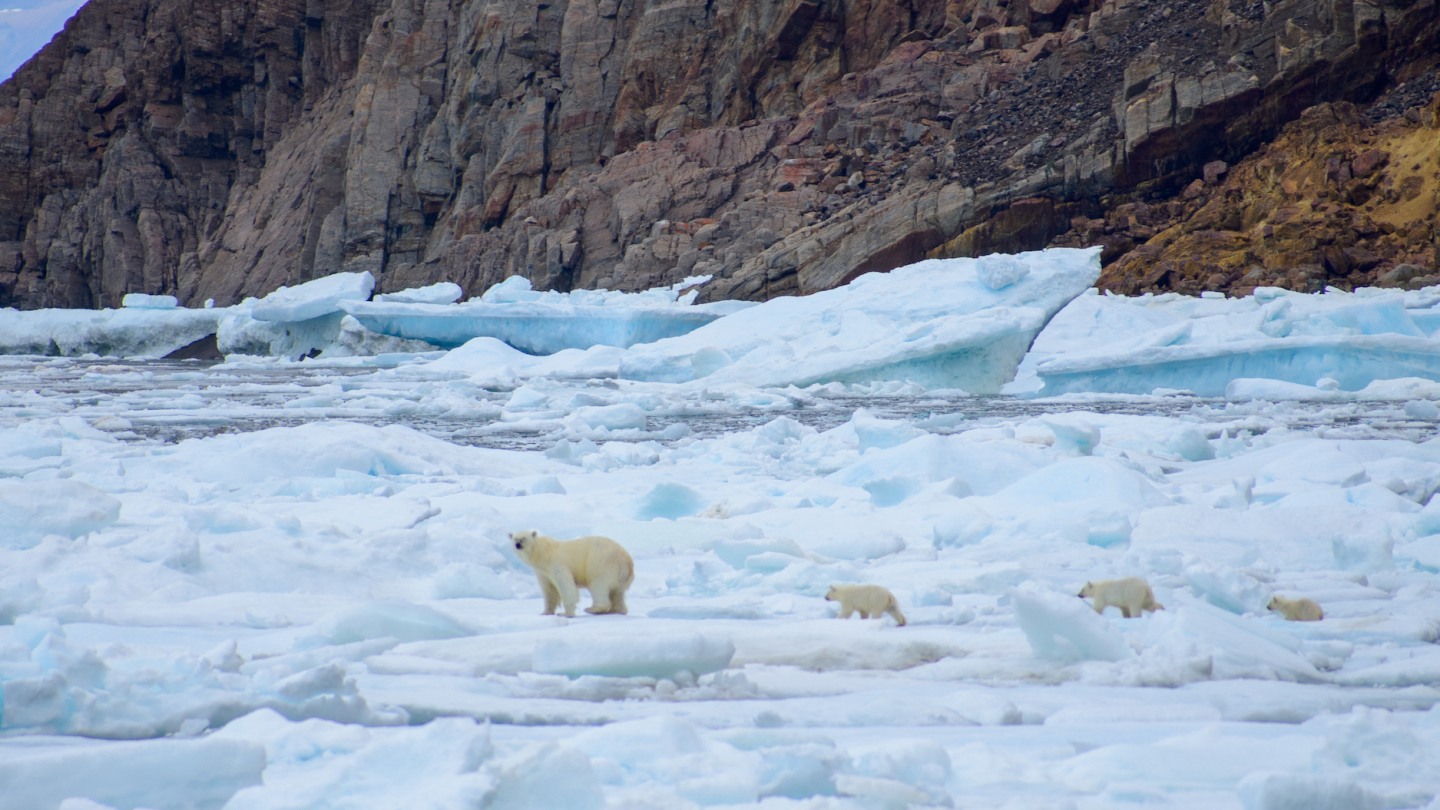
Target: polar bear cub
column 1131, row 594
column 595, row 563
column 868, row 600
column 1296, row 610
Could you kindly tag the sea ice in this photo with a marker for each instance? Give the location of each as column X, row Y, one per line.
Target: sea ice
column 618, row 655
column 266, row 584
column 140, row 773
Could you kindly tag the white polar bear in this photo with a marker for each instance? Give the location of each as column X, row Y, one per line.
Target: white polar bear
column 1296, row 610
column 598, row 564
column 1131, row 594
column 869, row 600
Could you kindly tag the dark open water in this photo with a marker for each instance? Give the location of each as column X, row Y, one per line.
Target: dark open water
column 167, row 401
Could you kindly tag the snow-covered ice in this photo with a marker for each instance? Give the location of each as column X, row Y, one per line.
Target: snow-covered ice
column 1206, row 344
column 268, row 583
column 957, row 323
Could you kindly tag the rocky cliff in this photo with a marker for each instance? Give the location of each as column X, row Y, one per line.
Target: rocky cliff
column 217, row 150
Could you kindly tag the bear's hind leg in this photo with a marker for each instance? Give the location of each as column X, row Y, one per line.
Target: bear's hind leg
column 894, row 611
column 600, row 603
column 617, row 600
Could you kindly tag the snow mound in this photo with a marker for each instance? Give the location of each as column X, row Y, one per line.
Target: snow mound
column 1065, row 628
column 144, row 773
column 654, row 655
column 30, row 510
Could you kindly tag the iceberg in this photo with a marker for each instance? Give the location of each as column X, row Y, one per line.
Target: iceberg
column 290, row 322
column 1028, row 324
column 1109, row 344
column 445, row 292
column 129, row 332
column 532, row 327
column 144, row 301
column 949, row 323
column 543, row 323
column 313, row 299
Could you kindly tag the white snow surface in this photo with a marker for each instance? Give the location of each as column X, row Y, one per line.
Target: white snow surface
column 271, row 584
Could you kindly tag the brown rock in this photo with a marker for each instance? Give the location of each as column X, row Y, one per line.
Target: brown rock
column 218, row 150
column 1367, row 162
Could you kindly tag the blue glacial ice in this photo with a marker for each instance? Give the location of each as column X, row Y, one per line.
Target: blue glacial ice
column 544, row 322
column 1028, row 324
column 1208, row 345
column 954, row 323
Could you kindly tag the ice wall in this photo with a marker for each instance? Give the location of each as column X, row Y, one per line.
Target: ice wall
column 1108, row 344
column 952, row 323
column 128, row 332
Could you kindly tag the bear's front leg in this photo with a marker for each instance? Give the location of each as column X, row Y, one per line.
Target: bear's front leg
column 569, row 595
column 552, row 596
column 845, row 611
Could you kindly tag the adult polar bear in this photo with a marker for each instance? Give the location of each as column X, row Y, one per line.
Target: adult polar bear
column 562, row 567
column 869, row 600
column 1131, row 594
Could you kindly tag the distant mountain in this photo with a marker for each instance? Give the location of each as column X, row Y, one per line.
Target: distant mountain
column 214, row 149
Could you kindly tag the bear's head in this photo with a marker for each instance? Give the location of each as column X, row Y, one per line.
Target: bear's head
column 830, row 594
column 1273, row 603
column 1088, row 590
column 524, row 541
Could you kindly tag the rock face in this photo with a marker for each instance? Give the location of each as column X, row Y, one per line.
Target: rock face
column 1335, row 201
column 218, row 150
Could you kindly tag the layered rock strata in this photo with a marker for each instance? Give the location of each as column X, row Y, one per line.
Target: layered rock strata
column 217, row 150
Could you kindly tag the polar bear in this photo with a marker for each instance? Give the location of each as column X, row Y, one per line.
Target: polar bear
column 869, row 600
column 598, row 564
column 1296, row 610
column 1131, row 594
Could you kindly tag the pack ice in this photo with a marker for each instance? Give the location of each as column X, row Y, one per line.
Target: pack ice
column 272, row 585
